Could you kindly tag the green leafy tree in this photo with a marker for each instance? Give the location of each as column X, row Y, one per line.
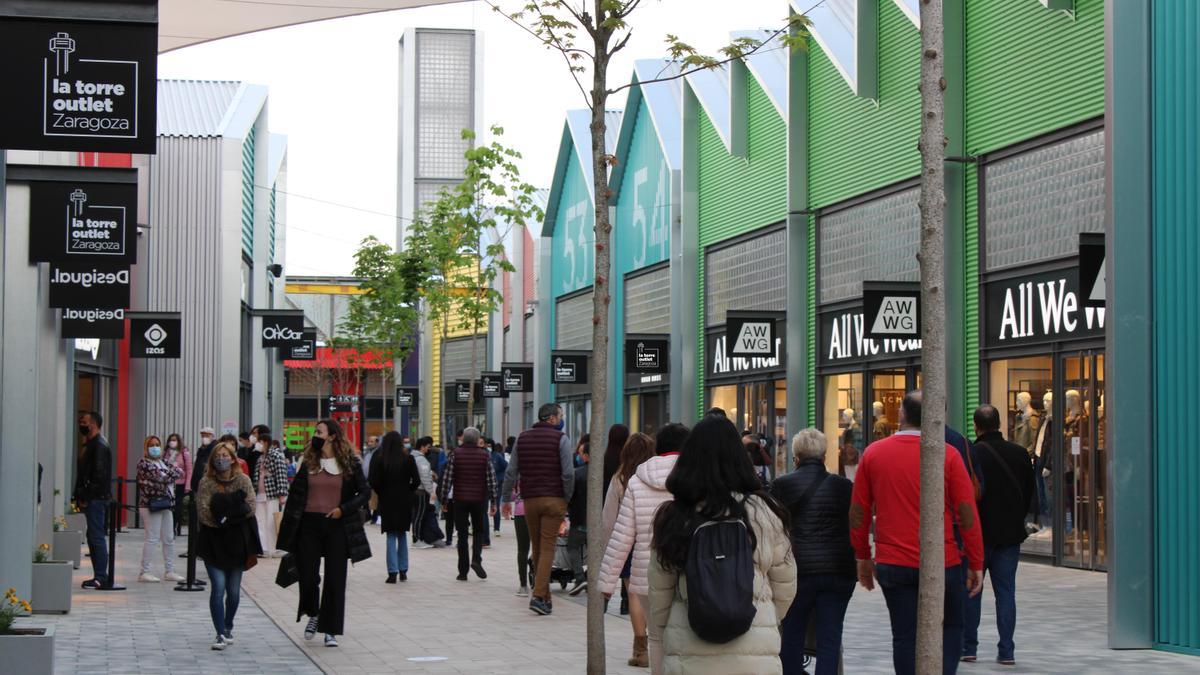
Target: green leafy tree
column 380, row 327
column 586, row 34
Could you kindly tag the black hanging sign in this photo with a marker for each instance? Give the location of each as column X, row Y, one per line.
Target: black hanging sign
column 306, row 348
column 86, row 86
column 83, row 222
column 155, row 335
column 844, row 340
column 1092, row 268
column 407, row 397
column 93, row 323
column 644, row 354
column 462, row 391
column 750, row 334
column 892, row 309
column 78, row 285
column 491, row 384
column 1038, row 308
column 345, row 404
column 568, row 367
column 282, row 328
column 719, row 364
column 518, row 377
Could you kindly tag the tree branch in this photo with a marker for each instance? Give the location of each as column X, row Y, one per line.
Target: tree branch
column 685, row 73
column 553, row 42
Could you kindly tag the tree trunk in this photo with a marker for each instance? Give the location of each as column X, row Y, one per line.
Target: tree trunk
column 439, row 425
column 931, row 598
column 474, row 374
column 599, row 374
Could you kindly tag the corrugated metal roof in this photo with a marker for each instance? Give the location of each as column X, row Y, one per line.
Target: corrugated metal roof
column 711, row 86
column 577, row 136
column 664, row 103
column 769, row 65
column 194, row 108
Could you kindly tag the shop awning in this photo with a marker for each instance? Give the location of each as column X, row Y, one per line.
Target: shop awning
column 342, row 359
column 187, row 22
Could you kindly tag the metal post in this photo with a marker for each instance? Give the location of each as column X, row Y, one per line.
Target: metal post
column 114, row 510
column 191, row 583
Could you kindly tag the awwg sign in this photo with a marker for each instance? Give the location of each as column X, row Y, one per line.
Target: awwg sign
column 892, row 309
column 748, row 334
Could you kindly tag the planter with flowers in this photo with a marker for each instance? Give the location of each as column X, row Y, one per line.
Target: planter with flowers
column 32, row 648
column 51, row 583
column 68, row 543
column 76, row 520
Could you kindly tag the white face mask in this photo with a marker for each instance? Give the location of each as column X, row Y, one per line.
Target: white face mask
column 172, row 444
column 258, row 447
column 253, row 439
column 205, row 440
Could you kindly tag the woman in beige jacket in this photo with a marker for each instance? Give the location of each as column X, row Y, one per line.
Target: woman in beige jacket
column 713, row 479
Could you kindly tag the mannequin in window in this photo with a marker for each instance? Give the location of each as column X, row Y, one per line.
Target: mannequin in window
column 850, row 449
column 1042, row 460
column 1025, row 429
column 879, row 430
column 1101, row 424
column 1075, row 426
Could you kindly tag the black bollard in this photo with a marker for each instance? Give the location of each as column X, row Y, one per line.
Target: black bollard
column 114, row 511
column 191, row 583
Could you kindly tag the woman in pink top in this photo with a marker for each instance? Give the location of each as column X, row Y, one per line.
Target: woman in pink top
column 522, row 541
column 179, row 455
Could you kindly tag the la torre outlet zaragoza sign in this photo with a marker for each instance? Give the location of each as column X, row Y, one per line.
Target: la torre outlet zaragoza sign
column 78, row 85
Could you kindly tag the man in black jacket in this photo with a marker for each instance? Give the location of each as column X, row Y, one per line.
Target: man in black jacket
column 93, row 490
column 577, row 515
column 1002, row 515
column 200, row 465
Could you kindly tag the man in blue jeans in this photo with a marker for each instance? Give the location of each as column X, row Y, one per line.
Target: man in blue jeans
column 93, row 490
column 1002, row 514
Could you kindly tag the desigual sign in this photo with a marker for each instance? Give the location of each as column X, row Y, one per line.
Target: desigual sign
column 76, row 85
column 72, row 285
column 92, row 323
column 83, row 222
column 1039, row 308
column 155, row 335
column 282, row 329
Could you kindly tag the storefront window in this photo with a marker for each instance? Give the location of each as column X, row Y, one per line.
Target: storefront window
column 726, row 398
column 1022, row 388
column 781, row 439
column 841, row 420
column 888, row 388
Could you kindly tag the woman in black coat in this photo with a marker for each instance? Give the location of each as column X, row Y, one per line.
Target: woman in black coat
column 394, row 478
column 323, row 518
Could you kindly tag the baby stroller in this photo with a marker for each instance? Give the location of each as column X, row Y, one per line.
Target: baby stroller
column 560, row 569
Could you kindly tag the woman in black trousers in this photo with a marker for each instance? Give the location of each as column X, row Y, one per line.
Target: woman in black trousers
column 394, row 479
column 323, row 518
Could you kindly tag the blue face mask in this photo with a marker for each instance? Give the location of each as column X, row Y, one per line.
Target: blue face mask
column 155, row 451
column 578, row 460
column 562, row 424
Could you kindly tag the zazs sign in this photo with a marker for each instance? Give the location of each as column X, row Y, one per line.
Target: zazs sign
column 282, row 329
column 155, row 335
column 80, row 222
column 79, row 85
column 1044, row 307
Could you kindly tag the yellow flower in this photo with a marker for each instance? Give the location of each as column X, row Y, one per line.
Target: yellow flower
column 25, row 604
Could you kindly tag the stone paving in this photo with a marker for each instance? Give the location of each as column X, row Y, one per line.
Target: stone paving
column 435, row 624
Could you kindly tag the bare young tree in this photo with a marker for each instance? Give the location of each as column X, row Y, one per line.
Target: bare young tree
column 932, row 575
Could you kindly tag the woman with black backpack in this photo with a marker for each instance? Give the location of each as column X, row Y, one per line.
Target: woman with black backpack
column 721, row 572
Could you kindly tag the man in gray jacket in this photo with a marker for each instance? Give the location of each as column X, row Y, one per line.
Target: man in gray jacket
column 423, row 493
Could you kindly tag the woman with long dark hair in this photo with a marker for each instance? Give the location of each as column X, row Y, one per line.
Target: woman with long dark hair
column 394, row 477
column 713, row 480
column 323, row 519
column 618, row 434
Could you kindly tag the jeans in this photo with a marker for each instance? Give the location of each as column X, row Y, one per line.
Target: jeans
column 96, row 541
column 544, row 515
column 522, row 530
column 496, row 516
column 160, row 528
column 474, row 516
column 1001, row 561
column 900, row 591
column 397, row 552
column 576, row 545
column 828, row 596
column 225, row 591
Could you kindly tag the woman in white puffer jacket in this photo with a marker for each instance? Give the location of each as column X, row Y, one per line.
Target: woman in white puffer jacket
column 628, row 528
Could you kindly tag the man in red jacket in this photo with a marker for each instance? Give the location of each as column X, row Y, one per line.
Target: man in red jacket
column 888, row 484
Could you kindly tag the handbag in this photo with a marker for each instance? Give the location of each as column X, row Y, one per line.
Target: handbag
column 156, row 504
column 289, row 572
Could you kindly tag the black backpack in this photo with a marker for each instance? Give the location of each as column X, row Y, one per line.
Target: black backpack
column 720, row 580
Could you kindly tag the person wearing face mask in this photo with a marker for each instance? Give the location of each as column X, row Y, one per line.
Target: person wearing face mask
column 178, row 454
column 543, row 460
column 270, row 479
column 323, row 519
column 156, row 477
column 228, row 538
column 200, row 461
column 93, row 490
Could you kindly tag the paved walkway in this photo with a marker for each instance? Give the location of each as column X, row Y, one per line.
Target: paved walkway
column 435, row 624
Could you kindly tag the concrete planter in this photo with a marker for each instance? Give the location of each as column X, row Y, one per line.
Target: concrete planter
column 68, row 545
column 29, row 650
column 76, row 521
column 51, row 587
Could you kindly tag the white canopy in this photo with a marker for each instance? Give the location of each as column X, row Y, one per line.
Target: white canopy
column 187, row 22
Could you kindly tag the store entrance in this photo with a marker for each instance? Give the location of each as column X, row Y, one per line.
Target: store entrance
column 886, row 393
column 1084, row 458
column 760, row 407
column 646, row 411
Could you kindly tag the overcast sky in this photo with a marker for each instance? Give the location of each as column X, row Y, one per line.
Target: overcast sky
column 333, row 91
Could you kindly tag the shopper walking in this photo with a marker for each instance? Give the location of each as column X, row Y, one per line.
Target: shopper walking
column 500, row 466
column 618, row 435
column 270, row 476
column 713, row 480
column 424, row 520
column 228, row 538
column 93, row 491
column 394, row 479
column 637, row 490
column 541, row 460
column 156, row 501
column 887, row 492
column 469, row 475
column 577, row 517
column 323, row 519
column 818, row 503
column 521, row 527
column 1002, row 515
column 179, row 455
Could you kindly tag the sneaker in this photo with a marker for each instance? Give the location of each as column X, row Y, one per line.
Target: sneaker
column 421, row 544
column 220, row 643
column 1007, row 662
column 440, row 544
column 171, row 576
column 495, row 533
column 330, row 641
column 968, row 658
column 522, row 592
column 229, row 638
column 540, row 606
column 311, row 629
column 91, row 583
column 479, row 571
column 461, row 577
column 579, row 587
column 147, row 578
